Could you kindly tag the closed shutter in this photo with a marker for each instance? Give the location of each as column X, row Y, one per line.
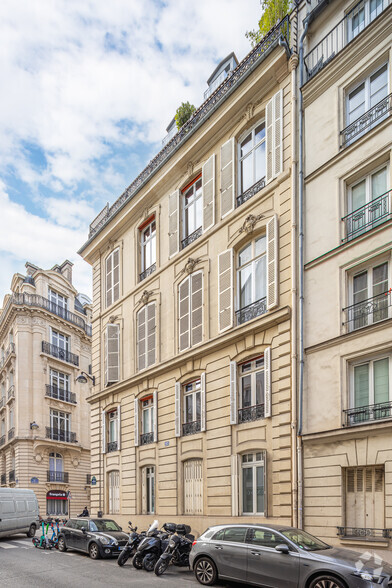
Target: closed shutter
column 272, row 263
column 233, row 393
column 267, row 382
column 173, row 222
column 103, row 431
column 177, row 409
column 227, row 177
column 151, row 332
column 234, row 486
column 208, row 181
column 119, row 427
column 365, row 501
column 155, row 409
column 196, row 308
column 269, row 147
column 112, row 354
column 113, row 277
column 203, row 402
column 184, row 318
column 225, row 289
column 193, row 487
column 136, row 417
column 274, row 136
column 141, row 338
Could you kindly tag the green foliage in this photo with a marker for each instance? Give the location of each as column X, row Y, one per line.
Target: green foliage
column 273, row 12
column 183, row 113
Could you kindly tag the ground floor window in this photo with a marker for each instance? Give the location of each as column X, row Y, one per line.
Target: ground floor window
column 193, row 487
column 365, row 502
column 114, row 492
column 148, row 498
column 55, row 507
column 253, row 483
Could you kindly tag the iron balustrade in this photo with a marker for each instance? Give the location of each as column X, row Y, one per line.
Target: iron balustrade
column 147, row 272
column 251, row 311
column 191, row 428
column 251, row 192
column 60, row 394
column 112, row 446
column 366, row 122
column 192, row 237
column 364, row 414
column 11, row 476
column 334, row 42
column 59, row 353
column 369, row 311
column 7, row 354
column 57, row 477
column 364, row 533
column 2, row 402
column 56, row 434
column 11, row 392
column 251, row 413
column 2, row 440
column 367, row 217
column 88, row 479
column 11, row 433
column 146, row 438
column 3, row 479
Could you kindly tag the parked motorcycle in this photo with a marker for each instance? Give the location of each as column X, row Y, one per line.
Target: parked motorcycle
column 177, row 550
column 152, row 546
column 130, row 548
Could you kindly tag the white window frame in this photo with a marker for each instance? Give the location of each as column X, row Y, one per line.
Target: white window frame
column 149, row 243
column 59, row 416
column 251, row 153
column 368, row 186
column 193, row 392
column 366, row 81
column 58, row 299
column 253, row 465
column 59, row 380
column 109, row 291
column 149, row 494
column 369, row 269
column 367, row 18
column 252, row 263
column 147, row 406
column 254, row 370
column 192, row 205
column 370, row 362
column 56, row 338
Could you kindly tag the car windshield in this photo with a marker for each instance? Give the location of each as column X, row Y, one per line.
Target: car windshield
column 305, row 541
column 102, row 525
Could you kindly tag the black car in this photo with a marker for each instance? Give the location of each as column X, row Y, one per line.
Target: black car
column 97, row 537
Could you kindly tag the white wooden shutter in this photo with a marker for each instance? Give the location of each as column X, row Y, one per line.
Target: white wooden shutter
column 203, row 401
column 272, row 263
column 184, row 315
column 233, row 393
column 265, row 483
column 267, row 382
column 225, row 289
column 174, row 218
column 136, row 417
column 119, row 427
column 103, row 431
column 177, row 409
column 151, row 334
column 109, row 279
column 196, row 306
column 227, row 175
column 144, row 490
column 234, row 486
column 155, row 409
column 141, row 338
column 116, row 275
column 274, row 136
column 112, row 345
column 208, row 183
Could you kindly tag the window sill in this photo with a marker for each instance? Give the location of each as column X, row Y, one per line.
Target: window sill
column 362, row 542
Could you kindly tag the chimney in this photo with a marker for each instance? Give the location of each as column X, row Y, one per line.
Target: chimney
column 66, row 270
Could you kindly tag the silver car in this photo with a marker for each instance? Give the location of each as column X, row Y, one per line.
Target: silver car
column 281, row 557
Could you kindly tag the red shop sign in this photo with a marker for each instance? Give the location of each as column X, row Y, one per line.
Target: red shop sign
column 56, row 495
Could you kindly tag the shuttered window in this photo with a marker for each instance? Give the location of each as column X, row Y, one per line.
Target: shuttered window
column 173, row 222
column 112, row 354
column 251, row 157
column 114, row 492
column 112, row 270
column 252, row 400
column 227, row 177
column 146, row 338
column 208, row 184
column 272, row 263
column 274, row 136
column 193, row 487
column 148, row 490
column 190, row 304
column 365, row 506
column 225, row 289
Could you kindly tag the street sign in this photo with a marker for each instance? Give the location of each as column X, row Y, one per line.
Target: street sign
column 69, row 496
column 34, row 481
column 93, row 481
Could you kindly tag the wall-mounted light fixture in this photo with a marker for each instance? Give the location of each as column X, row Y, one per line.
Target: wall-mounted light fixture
column 34, row 426
column 82, row 378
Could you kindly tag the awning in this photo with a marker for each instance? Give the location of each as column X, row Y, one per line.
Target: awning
column 56, row 495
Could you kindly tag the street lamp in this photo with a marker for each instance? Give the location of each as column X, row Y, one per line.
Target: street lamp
column 34, row 426
column 82, row 378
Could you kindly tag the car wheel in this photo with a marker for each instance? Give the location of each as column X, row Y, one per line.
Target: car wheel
column 205, row 571
column 137, row 561
column 93, row 551
column 123, row 557
column 326, row 581
column 61, row 544
column 149, row 562
column 31, row 531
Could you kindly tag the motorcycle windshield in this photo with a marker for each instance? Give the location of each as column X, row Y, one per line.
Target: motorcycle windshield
column 154, row 526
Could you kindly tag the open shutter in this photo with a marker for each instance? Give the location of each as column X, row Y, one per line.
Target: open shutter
column 233, row 393
column 234, row 486
column 144, row 490
column 203, row 402
column 184, row 314
column 177, row 408
column 112, row 353
column 208, row 182
column 173, row 222
column 196, row 308
column 272, row 263
column 141, row 339
column 265, row 483
column 136, row 422
column 267, row 382
column 227, row 177
column 103, row 431
column 278, row 132
column 155, row 409
column 151, row 330
column 119, row 427
column 269, row 141
column 225, row 289
column 109, row 279
column 116, row 275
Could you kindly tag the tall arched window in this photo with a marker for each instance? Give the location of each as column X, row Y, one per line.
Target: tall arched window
column 56, row 468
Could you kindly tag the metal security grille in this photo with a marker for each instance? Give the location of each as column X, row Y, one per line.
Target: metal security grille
column 365, row 497
column 193, row 487
column 114, row 492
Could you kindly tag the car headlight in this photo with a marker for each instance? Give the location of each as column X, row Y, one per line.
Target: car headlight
column 369, row 577
column 104, row 540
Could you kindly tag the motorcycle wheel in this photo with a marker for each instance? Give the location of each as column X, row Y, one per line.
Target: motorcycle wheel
column 123, row 557
column 137, row 561
column 149, row 562
column 161, row 567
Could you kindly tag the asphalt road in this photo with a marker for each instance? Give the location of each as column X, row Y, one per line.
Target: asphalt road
column 22, row 566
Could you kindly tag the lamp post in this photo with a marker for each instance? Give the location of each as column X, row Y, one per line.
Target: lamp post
column 82, row 378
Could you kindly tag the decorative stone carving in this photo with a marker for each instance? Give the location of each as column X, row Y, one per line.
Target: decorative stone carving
column 189, row 168
column 250, row 223
column 249, row 111
column 75, row 462
column 38, row 457
column 293, row 61
column 113, row 318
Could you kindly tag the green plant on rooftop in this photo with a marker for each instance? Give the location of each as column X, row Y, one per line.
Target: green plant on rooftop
column 184, row 113
column 273, row 12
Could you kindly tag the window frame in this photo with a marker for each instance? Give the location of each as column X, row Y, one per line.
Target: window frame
column 370, row 362
column 251, row 153
column 366, row 21
column 194, row 393
column 368, row 268
column 254, row 370
column 185, row 207
column 57, row 337
column 150, row 242
column 365, row 80
column 57, row 299
column 149, row 409
column 149, row 494
column 252, row 263
column 253, row 465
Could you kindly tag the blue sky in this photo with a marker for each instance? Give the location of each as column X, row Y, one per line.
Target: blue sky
column 88, row 89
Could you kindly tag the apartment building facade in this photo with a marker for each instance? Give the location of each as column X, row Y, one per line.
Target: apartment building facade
column 45, row 343
column 192, row 314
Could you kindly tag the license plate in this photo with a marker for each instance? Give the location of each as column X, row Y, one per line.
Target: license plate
column 120, row 547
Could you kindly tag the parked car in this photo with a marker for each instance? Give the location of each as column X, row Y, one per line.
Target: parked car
column 97, row 537
column 19, row 512
column 280, row 557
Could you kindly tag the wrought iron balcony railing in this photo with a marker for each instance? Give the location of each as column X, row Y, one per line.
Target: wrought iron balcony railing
column 7, row 354
column 3, row 480
column 59, row 353
column 146, row 438
column 2, row 440
column 11, row 476
column 251, row 311
column 147, row 272
column 364, row 414
column 60, row 435
column 112, row 446
column 59, row 394
column 337, row 39
column 11, row 433
column 251, row 413
column 366, row 122
column 367, row 217
column 368, row 311
column 363, row 533
column 191, row 428
column 192, row 237
column 251, row 192
column 2, row 402
column 57, row 477
column 11, row 392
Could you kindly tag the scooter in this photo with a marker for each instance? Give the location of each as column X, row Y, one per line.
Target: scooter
column 43, row 542
column 151, row 547
column 130, row 548
column 177, row 550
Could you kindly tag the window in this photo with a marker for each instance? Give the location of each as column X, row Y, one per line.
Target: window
column 58, row 300
column 112, row 271
column 59, row 340
column 190, row 311
column 251, row 156
column 146, row 342
column 190, row 407
column 193, row 487
column 148, row 490
column 370, row 297
column 148, row 248
column 146, row 411
column 251, row 378
column 112, row 431
column 265, row 538
column 57, row 507
column 3, row 390
column 192, row 211
column 365, row 497
column 11, row 418
column 114, row 492
column 235, row 534
column 370, row 391
column 60, row 425
column 253, row 483
column 147, row 418
column 252, row 280
column 363, row 14
column 56, row 473
column 112, row 354
column 59, row 386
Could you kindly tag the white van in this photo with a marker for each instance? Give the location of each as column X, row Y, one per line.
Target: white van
column 18, row 512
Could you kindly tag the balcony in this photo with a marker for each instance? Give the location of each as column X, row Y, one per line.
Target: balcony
column 11, row 476
column 251, row 192
column 60, row 394
column 251, row 311
column 367, row 217
column 192, row 237
column 191, row 428
column 363, row 533
column 147, row 272
column 338, row 38
column 60, row 353
column 112, row 446
column 7, row 354
column 251, row 413
column 11, row 433
column 3, row 479
column 368, row 312
column 2, row 440
column 61, row 477
column 367, row 414
column 366, row 122
column 60, row 435
column 146, row 438
column 11, row 392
